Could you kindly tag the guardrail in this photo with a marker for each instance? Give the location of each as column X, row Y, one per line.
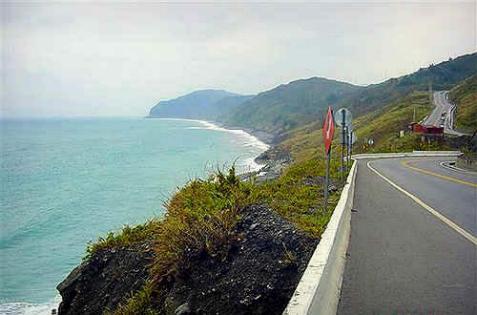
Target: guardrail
column 318, row 291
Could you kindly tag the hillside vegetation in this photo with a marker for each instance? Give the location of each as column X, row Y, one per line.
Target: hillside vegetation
column 465, row 96
column 288, row 106
column 298, row 103
column 201, row 222
column 382, row 125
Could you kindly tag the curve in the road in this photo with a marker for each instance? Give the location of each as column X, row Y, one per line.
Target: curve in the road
column 431, row 210
column 449, row 178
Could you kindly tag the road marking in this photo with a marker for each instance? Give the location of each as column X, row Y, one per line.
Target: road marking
column 436, row 213
column 455, row 168
column 452, row 179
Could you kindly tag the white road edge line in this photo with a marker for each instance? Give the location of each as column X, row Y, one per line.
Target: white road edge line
column 451, row 224
column 455, row 168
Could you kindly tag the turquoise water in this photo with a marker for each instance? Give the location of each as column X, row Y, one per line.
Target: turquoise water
column 66, row 182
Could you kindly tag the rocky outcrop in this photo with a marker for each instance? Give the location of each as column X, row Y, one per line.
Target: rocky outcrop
column 104, row 280
column 275, row 160
column 259, row 275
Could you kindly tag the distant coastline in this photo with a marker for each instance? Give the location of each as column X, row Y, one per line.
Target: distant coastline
column 258, row 139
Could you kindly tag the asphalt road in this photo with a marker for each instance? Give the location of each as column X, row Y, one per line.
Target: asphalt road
column 443, row 113
column 402, row 259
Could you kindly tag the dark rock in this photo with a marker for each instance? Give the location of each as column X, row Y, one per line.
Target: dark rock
column 104, row 280
column 257, row 277
column 274, row 154
column 183, row 309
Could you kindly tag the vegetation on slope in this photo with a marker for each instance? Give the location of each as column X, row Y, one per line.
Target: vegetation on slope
column 301, row 102
column 288, row 106
column 465, row 97
column 441, row 76
column 382, row 125
column 201, row 216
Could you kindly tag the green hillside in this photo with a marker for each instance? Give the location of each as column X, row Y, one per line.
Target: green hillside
column 303, row 101
column 289, row 106
column 382, row 125
column 442, row 76
column 465, row 96
column 300, row 102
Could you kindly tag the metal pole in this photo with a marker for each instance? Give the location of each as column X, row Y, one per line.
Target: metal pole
column 351, row 146
column 327, row 179
column 343, row 131
column 348, row 154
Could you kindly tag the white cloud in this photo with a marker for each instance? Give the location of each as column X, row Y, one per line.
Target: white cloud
column 119, row 59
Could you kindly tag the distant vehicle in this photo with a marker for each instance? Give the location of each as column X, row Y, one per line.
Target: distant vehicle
column 443, row 114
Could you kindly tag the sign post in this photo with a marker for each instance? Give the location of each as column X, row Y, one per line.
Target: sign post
column 352, row 141
column 343, row 119
column 349, row 142
column 328, row 132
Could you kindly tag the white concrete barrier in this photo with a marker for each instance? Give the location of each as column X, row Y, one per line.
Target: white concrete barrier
column 406, row 154
column 318, row 291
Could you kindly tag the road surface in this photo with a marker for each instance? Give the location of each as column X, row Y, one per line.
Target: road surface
column 403, row 258
column 443, row 113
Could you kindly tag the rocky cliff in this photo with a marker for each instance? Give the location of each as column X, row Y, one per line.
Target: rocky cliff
column 259, row 274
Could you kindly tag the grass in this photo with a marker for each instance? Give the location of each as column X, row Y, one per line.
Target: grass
column 465, row 96
column 296, row 200
column 127, row 236
column 140, row 302
column 199, row 221
column 201, row 217
column 383, row 126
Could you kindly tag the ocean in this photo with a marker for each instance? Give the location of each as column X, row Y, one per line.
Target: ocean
column 65, row 182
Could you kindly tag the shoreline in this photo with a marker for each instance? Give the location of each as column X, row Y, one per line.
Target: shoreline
column 258, row 139
column 245, row 138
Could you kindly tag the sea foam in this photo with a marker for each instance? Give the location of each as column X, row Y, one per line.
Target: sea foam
column 22, row 308
column 246, row 138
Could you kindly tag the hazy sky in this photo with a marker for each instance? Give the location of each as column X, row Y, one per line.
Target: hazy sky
column 86, row 59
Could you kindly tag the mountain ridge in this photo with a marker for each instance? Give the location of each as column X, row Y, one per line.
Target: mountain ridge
column 299, row 102
column 200, row 104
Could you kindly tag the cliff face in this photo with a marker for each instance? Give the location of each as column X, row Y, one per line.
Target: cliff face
column 105, row 279
column 258, row 275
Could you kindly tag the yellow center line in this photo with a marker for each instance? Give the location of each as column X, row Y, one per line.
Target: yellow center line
column 451, row 179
